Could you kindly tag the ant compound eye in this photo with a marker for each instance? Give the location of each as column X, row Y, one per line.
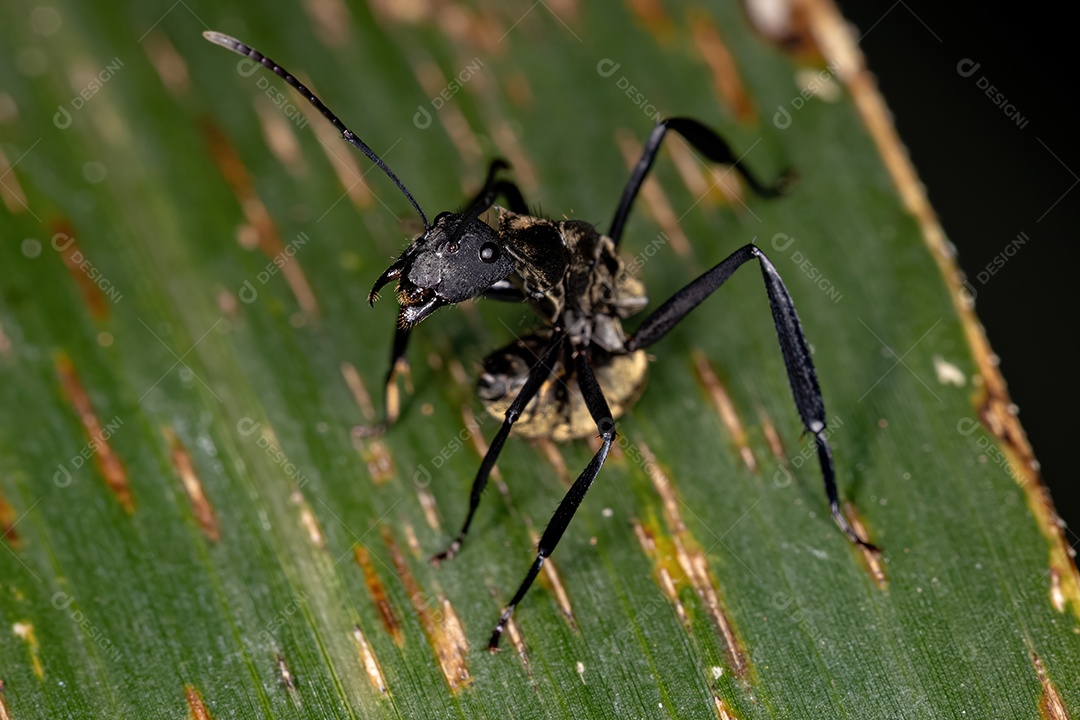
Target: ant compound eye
column 452, row 247
column 489, row 252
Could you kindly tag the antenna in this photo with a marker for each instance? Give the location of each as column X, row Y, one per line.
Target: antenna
column 231, row 43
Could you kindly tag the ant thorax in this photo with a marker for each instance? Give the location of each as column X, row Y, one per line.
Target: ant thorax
column 573, row 278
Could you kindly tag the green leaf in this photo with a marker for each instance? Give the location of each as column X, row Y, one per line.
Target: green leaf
column 190, row 526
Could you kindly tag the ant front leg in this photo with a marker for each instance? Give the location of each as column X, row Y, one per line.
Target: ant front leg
column 605, row 425
column 793, row 346
column 391, row 396
column 502, row 290
column 708, row 143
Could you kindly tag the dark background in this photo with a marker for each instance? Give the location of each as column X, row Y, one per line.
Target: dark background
column 990, row 180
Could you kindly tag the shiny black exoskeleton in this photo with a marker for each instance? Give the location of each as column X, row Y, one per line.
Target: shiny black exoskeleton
column 575, row 376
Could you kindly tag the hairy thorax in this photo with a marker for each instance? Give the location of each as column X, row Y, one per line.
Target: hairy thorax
column 574, row 280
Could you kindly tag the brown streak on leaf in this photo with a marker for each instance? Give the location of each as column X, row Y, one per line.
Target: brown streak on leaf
column 698, row 569
column 646, row 538
column 236, row 175
column 566, row 11
column 473, row 426
column 723, row 711
column 506, row 141
column 516, row 86
column 5, row 343
column 1057, row 598
column 196, row 707
column 110, row 466
column 519, row 644
column 411, row 541
column 691, row 559
column 378, row 594
column 454, row 637
column 25, row 632
column 998, row 415
column 344, row 162
column 449, row 115
column 992, row 402
column 405, row 11
column 551, row 453
column 776, row 445
column 722, row 66
column 359, row 392
column 462, row 25
column 481, row 29
column 200, row 506
column 308, row 520
column 10, row 191
column 667, row 584
column 651, row 16
column 457, row 371
column 73, row 259
column 481, row 447
column 553, row 582
column 393, row 395
column 5, row 714
column 373, row 451
column 722, row 185
column 871, row 558
column 227, row 303
column 661, row 549
column 8, row 518
column 690, row 169
column 786, row 23
column 441, row 626
column 371, row 663
column 331, row 20
column 655, row 200
column 168, row 63
column 430, row 508
column 725, row 407
column 279, row 137
column 1051, row 706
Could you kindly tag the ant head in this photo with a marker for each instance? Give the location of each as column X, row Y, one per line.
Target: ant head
column 458, row 257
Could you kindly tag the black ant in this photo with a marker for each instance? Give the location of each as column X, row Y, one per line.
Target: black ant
column 572, row 277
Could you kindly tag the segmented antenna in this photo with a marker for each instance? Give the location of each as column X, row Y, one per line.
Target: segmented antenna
column 247, row 51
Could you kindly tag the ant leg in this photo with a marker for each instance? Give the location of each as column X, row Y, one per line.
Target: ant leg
column 493, row 188
column 800, row 368
column 399, row 364
column 537, row 375
column 707, row 142
column 501, row 290
column 487, row 196
column 601, row 415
